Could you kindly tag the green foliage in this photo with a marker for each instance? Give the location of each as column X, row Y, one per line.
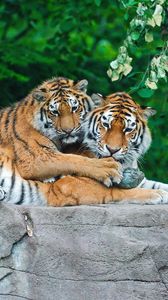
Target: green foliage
column 78, row 39
column 150, row 14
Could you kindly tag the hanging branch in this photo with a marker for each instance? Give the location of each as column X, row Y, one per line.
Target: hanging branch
column 150, row 15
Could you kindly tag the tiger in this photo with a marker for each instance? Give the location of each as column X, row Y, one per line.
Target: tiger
column 33, row 133
column 43, row 130
column 117, row 106
column 118, row 128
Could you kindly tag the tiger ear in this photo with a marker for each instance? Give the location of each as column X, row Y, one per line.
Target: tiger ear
column 148, row 112
column 97, row 99
column 82, row 85
column 39, row 95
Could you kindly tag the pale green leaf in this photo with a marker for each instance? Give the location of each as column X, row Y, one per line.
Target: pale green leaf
column 128, row 60
column 151, row 22
column 120, row 69
column 155, row 61
column 161, row 73
column 153, row 76
column 127, row 69
column 149, row 37
column 151, row 84
column 158, row 19
column 114, row 64
column 115, row 76
column 157, row 16
column 158, row 10
column 109, row 72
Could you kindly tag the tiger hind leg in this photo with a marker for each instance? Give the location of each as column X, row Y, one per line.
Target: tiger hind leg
column 141, row 196
column 71, row 190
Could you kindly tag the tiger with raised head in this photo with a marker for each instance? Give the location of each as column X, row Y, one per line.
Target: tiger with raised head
column 32, row 135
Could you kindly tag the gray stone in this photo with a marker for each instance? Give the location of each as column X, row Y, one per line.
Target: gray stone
column 131, row 178
column 106, row 252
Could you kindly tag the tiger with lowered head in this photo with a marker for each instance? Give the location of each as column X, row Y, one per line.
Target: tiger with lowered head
column 118, row 129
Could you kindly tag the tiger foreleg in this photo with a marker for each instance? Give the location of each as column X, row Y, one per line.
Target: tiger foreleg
column 48, row 165
column 155, row 185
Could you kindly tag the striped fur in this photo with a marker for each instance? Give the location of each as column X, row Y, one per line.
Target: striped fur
column 33, row 133
column 118, row 128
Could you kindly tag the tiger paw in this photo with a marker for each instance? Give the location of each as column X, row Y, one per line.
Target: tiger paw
column 2, row 194
column 107, row 171
column 160, row 197
column 131, row 178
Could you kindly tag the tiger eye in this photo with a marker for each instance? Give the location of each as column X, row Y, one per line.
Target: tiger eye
column 54, row 112
column 128, row 130
column 106, row 125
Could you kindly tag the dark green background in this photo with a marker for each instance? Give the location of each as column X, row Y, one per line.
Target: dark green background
column 78, row 39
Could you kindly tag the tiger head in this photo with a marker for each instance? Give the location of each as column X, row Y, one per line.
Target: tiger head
column 61, row 106
column 118, row 128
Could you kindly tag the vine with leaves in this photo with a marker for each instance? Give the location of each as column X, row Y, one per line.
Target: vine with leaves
column 151, row 16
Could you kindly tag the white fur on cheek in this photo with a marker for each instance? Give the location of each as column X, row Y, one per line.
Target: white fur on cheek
column 146, row 142
column 39, row 124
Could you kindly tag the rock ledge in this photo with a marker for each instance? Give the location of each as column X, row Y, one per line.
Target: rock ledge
column 106, row 252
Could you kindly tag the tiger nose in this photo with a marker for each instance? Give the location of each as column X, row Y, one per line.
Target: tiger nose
column 68, row 130
column 112, row 150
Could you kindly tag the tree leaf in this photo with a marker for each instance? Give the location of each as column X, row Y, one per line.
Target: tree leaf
column 151, row 22
column 115, row 76
column 158, row 19
column 153, row 76
column 151, row 84
column 135, row 35
column 109, row 73
column 127, row 69
column 145, row 93
column 98, row 2
column 161, row 73
column 114, row 64
column 149, row 37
